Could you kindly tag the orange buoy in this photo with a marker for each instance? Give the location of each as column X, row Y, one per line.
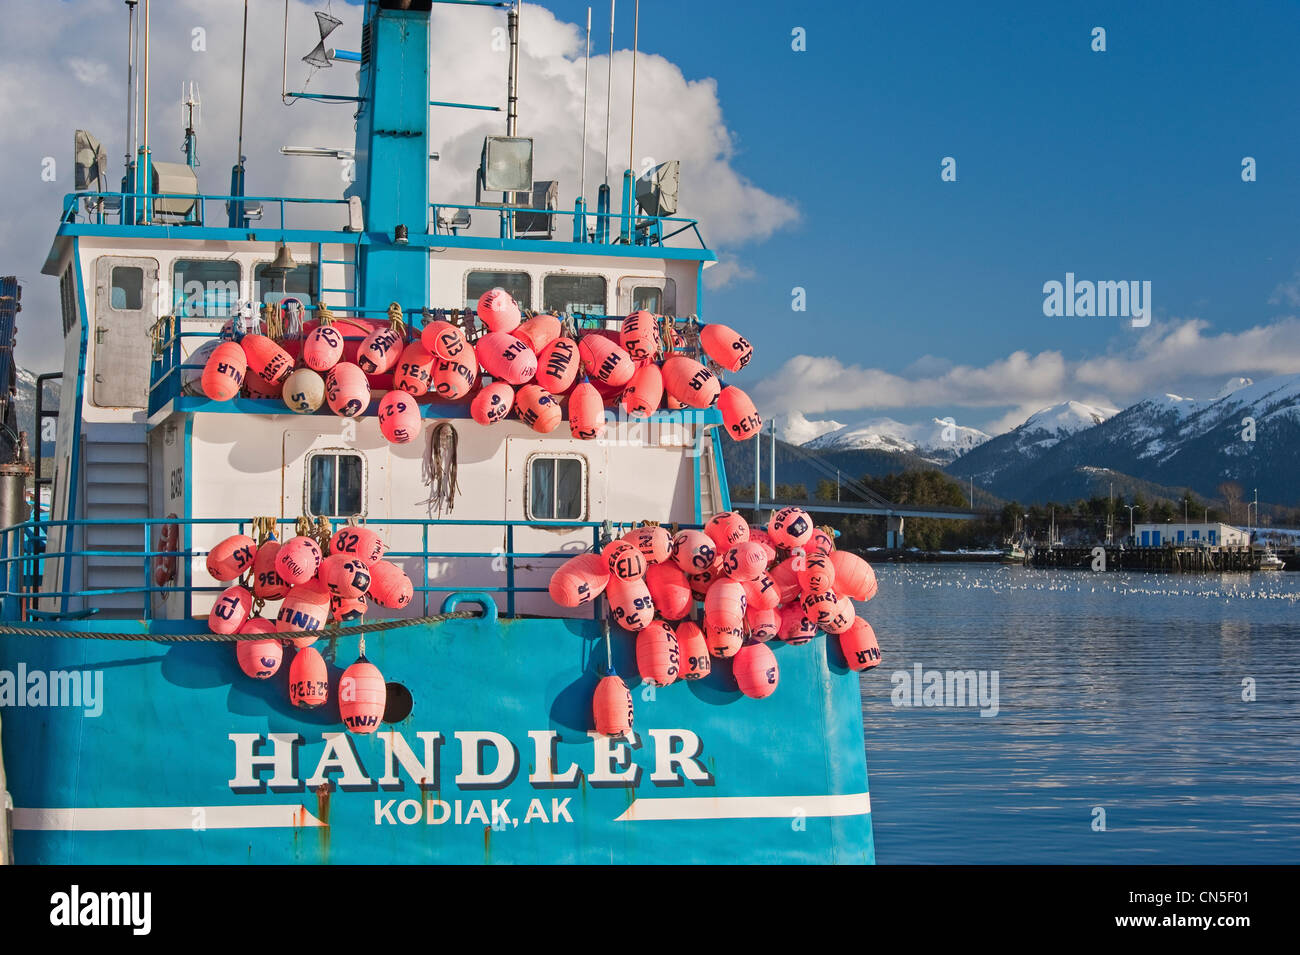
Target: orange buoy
column 793, row 625
column 787, row 581
column 231, row 557
column 309, row 684
column 694, row 651
column 762, row 623
column 694, row 551
column 723, row 640
column 389, row 585
column 724, row 604
column 359, row 542
column 854, row 576
column 842, row 616
column 305, row 610
column 586, row 412
column 362, row 697
column 654, row 542
column 701, row 582
column 257, row 388
column 690, row 382
column 304, row 391
column 605, row 361
column 538, row 332
column 224, row 372
column 817, row 576
column 640, row 338
column 492, row 403
column 726, row 346
column 297, row 560
column 266, row 360
column 579, row 580
column 644, row 392
column 727, row 530
column 379, row 351
column 820, row 608
column 557, row 365
column 745, row 561
column 820, row 542
column 739, row 415
column 267, row 582
column 755, row 670
column 453, row 379
column 669, row 589
column 505, row 357
column 498, row 310
column 630, row 603
column 348, row 609
column 399, row 417
column 414, row 372
column 345, row 576
column 624, row 559
column 760, row 536
column 761, row 593
column 538, row 409
column 230, row 610
column 347, row 391
column 790, row 527
column 446, row 341
column 259, row 659
column 322, row 349
column 859, row 645
column 611, row 706
column 658, row 655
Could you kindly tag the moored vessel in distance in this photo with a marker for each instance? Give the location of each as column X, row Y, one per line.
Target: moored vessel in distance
column 307, row 590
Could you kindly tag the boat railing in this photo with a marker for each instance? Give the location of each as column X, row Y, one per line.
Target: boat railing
column 22, row 558
column 125, row 209
column 602, row 228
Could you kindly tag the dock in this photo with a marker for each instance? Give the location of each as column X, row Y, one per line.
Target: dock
column 1166, row 559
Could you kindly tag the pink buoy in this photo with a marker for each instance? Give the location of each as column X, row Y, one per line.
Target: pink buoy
column 640, row 338
column 760, row 536
column 727, row 530
column 579, row 580
column 669, row 589
column 538, row 332
column 224, row 372
column 723, row 640
column 739, row 416
column 820, row 608
column 761, row 623
column 492, row 403
column 745, row 561
column 586, row 412
column 726, row 346
column 701, row 582
column 231, row 557
column 259, row 659
column 323, row 348
column 267, row 582
column 790, row 527
column 446, row 341
column 654, row 542
column 362, row 697
column 414, row 372
column 658, row 655
column 298, row 560
column 309, row 685
column 787, row 581
column 506, row 358
column 624, row 560
column 755, row 670
column 644, row 392
column 611, row 707
column 498, row 310
column 348, row 609
column 793, row 625
column 399, row 417
column 359, row 542
column 817, row 576
column 557, row 365
column 266, row 360
column 390, row 586
column 630, row 603
column 841, row 618
column 761, row 593
column 724, row 604
column 694, row 651
column 304, row 611
column 854, row 577
column 820, row 542
column 694, row 551
column 605, row 361
column 859, row 646
column 690, row 382
column 345, row 576
column 347, row 390
column 453, row 379
column 538, row 409
column 379, row 351
column 230, row 610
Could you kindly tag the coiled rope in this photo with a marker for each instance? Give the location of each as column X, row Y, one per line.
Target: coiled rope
column 328, row 633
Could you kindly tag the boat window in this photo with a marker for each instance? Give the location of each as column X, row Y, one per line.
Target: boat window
column 128, row 288
column 574, row 294
column 557, row 488
column 518, row 284
column 208, row 288
column 269, row 286
column 335, row 484
column 68, row 299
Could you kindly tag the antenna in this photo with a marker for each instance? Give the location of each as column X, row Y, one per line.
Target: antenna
column 191, row 104
column 631, row 136
column 586, row 69
column 512, row 86
column 609, row 88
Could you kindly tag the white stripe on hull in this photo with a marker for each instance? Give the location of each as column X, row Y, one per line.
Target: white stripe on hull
column 746, row 807
column 165, row 817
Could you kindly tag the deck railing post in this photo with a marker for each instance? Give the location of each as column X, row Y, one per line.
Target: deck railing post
column 510, row 569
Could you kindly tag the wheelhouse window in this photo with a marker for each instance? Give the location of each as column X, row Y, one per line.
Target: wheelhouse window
column 574, row 294
column 206, row 288
column 127, row 293
column 518, row 284
column 557, row 488
column 335, row 484
column 272, row 286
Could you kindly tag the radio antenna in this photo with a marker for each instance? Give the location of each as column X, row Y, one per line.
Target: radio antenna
column 243, row 63
column 586, row 69
column 631, row 136
column 609, row 88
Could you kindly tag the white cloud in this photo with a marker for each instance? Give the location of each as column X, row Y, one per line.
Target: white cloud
column 727, row 272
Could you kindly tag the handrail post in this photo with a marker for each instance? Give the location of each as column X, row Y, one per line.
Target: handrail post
column 510, row 569
column 424, row 562
column 148, row 578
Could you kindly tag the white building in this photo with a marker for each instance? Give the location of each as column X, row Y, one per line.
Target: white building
column 1216, row 534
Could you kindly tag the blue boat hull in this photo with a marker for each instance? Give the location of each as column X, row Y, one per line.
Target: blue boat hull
column 181, row 764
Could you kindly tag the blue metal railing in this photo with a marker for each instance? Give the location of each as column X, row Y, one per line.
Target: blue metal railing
column 110, row 207
column 20, row 560
column 651, row 228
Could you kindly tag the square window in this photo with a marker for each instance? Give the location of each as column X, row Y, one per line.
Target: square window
column 518, row 284
column 270, row 286
column 574, row 294
column 128, row 288
column 335, row 485
column 207, row 288
column 556, row 488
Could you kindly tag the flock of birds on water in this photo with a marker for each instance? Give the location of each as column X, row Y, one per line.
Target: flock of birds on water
column 1005, row 580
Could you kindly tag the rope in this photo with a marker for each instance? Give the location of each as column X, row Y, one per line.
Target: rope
column 237, row 637
column 440, row 459
column 323, row 314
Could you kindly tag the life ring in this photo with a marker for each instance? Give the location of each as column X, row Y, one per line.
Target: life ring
column 164, row 565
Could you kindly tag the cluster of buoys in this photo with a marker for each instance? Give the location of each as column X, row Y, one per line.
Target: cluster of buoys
column 786, row 583
column 535, row 371
column 313, row 585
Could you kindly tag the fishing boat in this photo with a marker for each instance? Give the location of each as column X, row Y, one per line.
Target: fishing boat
column 1012, row 553
column 1270, row 561
column 455, row 718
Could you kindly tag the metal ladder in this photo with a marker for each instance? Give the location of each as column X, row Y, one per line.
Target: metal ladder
column 116, row 489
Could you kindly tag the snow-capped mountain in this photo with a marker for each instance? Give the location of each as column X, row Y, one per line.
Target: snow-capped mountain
column 936, row 440
column 1011, row 457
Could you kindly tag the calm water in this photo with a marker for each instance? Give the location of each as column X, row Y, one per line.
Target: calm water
column 1117, row 691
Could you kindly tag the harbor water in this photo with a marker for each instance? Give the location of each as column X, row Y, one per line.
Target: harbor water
column 1131, row 718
